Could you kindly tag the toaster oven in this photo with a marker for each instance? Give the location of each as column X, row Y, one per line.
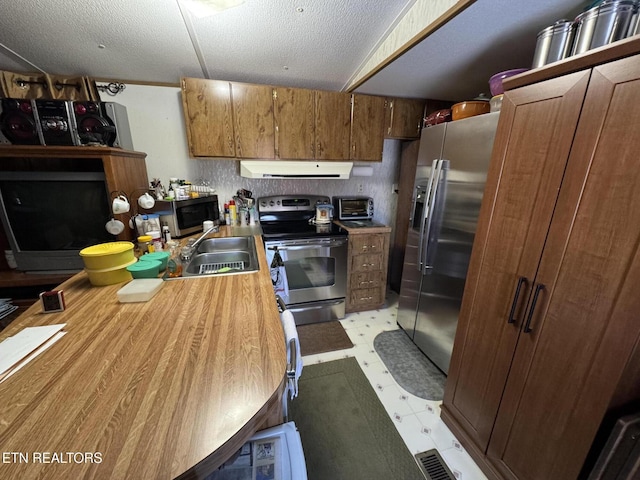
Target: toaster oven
column 353, row 208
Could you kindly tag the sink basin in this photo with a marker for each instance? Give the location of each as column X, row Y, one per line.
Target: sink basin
column 222, row 256
column 227, row 243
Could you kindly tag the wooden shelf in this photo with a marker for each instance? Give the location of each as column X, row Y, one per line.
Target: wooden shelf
column 12, row 278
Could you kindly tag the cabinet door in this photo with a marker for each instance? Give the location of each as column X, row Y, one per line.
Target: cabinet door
column 208, row 117
column 294, row 119
column 531, row 149
column 253, row 120
column 585, row 321
column 404, row 117
column 333, row 125
column 367, row 128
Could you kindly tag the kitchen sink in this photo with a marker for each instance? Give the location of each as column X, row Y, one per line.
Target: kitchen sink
column 212, row 245
column 222, row 256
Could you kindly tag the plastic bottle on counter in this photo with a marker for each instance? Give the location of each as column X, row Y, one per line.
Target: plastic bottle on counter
column 166, row 233
column 232, row 212
column 227, row 217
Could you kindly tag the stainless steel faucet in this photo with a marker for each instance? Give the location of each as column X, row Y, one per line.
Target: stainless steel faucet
column 191, row 247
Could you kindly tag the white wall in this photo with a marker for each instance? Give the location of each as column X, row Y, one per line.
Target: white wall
column 158, row 129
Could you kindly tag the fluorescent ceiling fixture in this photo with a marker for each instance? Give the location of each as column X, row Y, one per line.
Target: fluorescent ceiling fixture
column 205, row 8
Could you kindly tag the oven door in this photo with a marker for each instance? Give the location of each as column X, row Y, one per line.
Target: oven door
column 310, row 274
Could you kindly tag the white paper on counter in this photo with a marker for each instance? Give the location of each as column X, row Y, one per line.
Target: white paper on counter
column 33, row 355
column 14, row 350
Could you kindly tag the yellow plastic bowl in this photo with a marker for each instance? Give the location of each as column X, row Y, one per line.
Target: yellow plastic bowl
column 107, row 255
column 110, row 276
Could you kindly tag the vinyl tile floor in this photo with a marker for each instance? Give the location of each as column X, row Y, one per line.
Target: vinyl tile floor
column 417, row 420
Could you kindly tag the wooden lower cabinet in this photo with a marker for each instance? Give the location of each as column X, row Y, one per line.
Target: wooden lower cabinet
column 547, row 341
column 367, row 268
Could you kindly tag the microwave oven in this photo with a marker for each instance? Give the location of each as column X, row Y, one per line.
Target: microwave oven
column 185, row 217
column 353, row 208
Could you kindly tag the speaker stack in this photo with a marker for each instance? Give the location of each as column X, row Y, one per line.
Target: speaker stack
column 60, row 122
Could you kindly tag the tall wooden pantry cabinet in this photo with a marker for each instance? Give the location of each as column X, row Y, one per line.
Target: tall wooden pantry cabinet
column 547, row 340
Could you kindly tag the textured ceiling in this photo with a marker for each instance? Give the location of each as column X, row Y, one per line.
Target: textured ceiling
column 271, row 41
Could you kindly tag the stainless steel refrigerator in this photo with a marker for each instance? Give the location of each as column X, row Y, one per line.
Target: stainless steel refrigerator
column 453, row 159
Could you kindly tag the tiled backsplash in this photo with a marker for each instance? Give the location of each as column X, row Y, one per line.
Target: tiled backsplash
column 224, row 176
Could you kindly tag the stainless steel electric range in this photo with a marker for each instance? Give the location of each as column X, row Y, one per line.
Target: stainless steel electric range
column 307, row 260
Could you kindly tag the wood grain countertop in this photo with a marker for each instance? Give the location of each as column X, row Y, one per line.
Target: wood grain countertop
column 363, row 230
column 163, row 389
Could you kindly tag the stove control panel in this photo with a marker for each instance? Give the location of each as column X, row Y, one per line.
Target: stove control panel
column 291, row 203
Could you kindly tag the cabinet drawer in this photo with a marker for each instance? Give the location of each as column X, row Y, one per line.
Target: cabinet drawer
column 367, row 263
column 367, row 244
column 365, row 297
column 366, row 280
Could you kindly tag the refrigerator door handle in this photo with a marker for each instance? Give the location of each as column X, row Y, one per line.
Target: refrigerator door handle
column 424, row 242
column 425, row 212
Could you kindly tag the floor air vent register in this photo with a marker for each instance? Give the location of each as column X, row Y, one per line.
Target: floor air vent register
column 433, row 466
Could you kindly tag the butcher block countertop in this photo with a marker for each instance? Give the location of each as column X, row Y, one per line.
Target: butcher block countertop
column 157, row 390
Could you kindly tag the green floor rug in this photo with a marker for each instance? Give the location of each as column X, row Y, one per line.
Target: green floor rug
column 346, row 432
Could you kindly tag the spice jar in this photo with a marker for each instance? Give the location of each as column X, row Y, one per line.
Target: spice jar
column 156, row 240
column 144, row 244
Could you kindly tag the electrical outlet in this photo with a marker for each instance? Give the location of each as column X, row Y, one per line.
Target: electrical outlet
column 360, row 188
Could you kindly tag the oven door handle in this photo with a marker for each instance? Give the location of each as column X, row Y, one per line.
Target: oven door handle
column 310, row 246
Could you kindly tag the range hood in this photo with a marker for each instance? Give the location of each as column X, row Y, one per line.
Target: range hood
column 295, row 169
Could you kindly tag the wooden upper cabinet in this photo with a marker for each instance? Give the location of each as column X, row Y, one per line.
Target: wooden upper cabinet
column 208, row 117
column 404, row 117
column 294, row 113
column 367, row 127
column 253, row 120
column 333, row 125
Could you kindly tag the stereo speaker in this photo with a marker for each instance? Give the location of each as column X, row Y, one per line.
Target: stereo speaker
column 102, row 123
column 19, row 123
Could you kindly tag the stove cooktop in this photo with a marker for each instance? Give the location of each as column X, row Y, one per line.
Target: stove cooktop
column 288, row 216
column 281, row 230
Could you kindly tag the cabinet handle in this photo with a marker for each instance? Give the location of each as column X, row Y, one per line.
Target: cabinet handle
column 367, row 282
column 527, row 325
column 366, row 298
column 368, row 264
column 516, row 296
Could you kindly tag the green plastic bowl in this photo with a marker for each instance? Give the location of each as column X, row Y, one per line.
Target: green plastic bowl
column 162, row 257
column 146, row 269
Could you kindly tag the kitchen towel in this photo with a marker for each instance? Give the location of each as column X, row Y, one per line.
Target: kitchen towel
column 290, row 332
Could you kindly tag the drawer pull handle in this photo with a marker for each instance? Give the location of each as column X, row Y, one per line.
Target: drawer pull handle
column 368, row 264
column 516, row 296
column 527, row 326
column 366, row 298
column 367, row 283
